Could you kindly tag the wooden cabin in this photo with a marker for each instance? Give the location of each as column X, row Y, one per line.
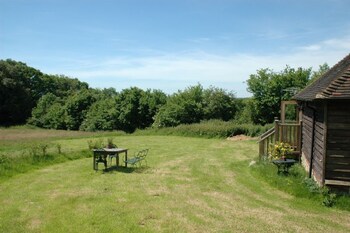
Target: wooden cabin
column 325, row 126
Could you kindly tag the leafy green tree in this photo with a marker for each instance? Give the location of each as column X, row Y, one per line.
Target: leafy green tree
column 49, row 113
column 246, row 111
column 76, row 108
column 41, row 110
column 195, row 104
column 22, row 86
column 102, row 115
column 184, row 107
column 269, row 88
column 137, row 108
column 128, row 105
column 16, row 101
column 149, row 104
column 55, row 116
column 59, row 85
column 322, row 69
column 218, row 104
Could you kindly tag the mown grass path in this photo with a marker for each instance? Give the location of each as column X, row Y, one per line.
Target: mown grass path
column 190, row 185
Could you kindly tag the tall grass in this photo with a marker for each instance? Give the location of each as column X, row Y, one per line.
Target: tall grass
column 208, row 129
column 24, row 148
column 299, row 185
column 36, row 156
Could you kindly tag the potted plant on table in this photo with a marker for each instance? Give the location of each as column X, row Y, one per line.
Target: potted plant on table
column 280, row 151
column 110, row 143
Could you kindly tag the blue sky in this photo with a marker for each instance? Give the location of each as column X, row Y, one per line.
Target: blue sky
column 172, row 44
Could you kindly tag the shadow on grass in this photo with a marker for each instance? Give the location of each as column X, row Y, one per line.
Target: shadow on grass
column 113, row 169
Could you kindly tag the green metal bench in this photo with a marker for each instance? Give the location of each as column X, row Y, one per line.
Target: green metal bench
column 138, row 159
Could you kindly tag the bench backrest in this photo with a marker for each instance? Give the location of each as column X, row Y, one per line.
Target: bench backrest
column 142, row 153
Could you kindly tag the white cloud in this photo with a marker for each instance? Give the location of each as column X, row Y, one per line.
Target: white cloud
column 177, row 71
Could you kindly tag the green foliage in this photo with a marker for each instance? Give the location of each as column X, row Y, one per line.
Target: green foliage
column 60, row 102
column 184, row 107
column 95, row 144
column 22, row 86
column 293, row 183
column 4, row 159
column 208, row 129
column 16, row 101
column 49, row 113
column 328, row 197
column 76, row 108
column 136, row 108
column 58, row 85
column 322, row 69
column 110, row 143
column 93, row 110
column 102, row 115
column 195, row 104
column 280, row 150
column 246, row 111
column 297, row 184
column 270, row 88
column 149, row 104
column 55, row 117
column 218, row 104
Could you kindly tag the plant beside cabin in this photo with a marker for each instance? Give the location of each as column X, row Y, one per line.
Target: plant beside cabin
column 280, row 150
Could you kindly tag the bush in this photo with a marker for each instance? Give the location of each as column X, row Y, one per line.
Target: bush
column 195, row 104
column 280, row 150
column 102, row 115
column 209, row 129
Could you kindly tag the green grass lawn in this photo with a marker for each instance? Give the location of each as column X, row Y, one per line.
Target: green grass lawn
column 190, row 185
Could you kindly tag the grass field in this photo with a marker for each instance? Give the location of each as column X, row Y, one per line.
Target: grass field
column 189, row 185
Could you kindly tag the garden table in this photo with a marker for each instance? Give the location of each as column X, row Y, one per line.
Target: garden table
column 283, row 165
column 100, row 156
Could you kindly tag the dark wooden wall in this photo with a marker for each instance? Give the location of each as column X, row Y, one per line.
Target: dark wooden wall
column 316, row 130
column 338, row 141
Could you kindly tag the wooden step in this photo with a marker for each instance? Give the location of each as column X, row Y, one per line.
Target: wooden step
column 337, row 182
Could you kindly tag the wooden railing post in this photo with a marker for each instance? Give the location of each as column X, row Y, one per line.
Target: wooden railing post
column 276, row 130
column 261, row 148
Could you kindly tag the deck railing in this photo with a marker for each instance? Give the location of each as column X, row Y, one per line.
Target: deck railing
column 282, row 132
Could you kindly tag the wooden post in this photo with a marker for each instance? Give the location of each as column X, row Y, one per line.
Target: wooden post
column 283, row 111
column 261, row 148
column 276, row 130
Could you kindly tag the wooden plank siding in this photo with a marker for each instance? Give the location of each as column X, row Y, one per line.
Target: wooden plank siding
column 319, row 151
column 307, row 133
column 316, row 130
column 338, row 141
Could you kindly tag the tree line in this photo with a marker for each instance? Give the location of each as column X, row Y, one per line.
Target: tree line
column 58, row 102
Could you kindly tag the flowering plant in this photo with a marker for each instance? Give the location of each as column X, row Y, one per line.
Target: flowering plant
column 280, row 150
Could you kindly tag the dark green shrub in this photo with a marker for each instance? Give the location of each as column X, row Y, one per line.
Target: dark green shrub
column 209, row 129
column 102, row 115
column 329, row 198
column 4, row 159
